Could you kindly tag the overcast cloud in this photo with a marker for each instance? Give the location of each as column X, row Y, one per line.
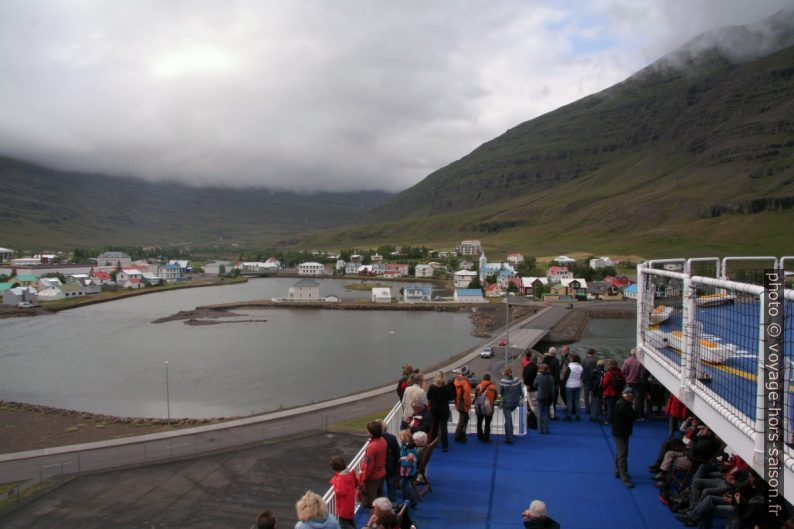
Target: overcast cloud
column 305, row 95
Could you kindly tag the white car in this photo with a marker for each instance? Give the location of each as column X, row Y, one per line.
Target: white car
column 487, row 352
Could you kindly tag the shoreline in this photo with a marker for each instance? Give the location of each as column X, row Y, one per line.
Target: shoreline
column 25, row 426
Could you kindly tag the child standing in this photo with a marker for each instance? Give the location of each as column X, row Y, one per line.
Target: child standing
column 344, row 484
column 408, row 459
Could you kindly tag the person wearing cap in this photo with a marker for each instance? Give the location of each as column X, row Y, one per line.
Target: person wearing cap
column 462, row 401
column 622, row 428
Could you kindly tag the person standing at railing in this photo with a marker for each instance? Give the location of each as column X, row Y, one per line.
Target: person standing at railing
column 462, row 402
column 312, row 513
column 408, row 460
column 510, row 390
column 612, row 386
column 266, row 520
column 596, row 391
column 636, row 378
column 414, row 394
column 439, row 395
column 550, row 359
column 392, row 479
column 544, row 386
column 528, row 373
column 373, row 466
column 344, row 484
column 589, row 364
column 573, row 387
column 484, row 407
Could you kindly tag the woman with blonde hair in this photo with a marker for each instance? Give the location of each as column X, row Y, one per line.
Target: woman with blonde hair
column 312, row 513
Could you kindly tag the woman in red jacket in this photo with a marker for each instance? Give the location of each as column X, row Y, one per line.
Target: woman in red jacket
column 611, row 387
column 373, row 466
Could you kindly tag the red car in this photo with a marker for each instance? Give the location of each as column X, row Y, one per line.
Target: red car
column 502, row 341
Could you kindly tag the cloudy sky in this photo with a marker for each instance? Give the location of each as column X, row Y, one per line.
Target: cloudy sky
column 312, row 95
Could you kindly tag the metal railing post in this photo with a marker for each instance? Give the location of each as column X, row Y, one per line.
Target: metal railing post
column 688, row 356
column 760, row 405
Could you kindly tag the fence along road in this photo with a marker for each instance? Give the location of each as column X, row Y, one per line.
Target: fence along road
column 62, row 461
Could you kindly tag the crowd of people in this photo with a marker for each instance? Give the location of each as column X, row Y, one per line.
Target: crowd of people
column 700, row 479
column 697, row 479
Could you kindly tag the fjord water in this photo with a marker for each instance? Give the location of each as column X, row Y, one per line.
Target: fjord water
column 109, row 358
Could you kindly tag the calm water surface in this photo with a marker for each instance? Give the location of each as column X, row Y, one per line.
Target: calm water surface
column 109, row 358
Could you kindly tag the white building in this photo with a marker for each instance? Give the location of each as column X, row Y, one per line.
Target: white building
column 463, row 278
column 113, row 259
column 17, row 295
column 47, row 282
column 381, row 295
column 131, row 273
column 304, row 290
column 6, row 254
column 311, row 269
column 472, row 247
column 417, row 293
column 515, row 258
column 468, row 295
column 169, row 273
column 26, row 261
column 601, row 262
column 352, row 267
column 62, row 292
column 564, row 260
column 555, row 274
column 423, row 270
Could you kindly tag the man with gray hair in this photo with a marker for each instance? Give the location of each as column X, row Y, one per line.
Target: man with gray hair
column 636, row 378
column 414, row 394
column 550, row 359
column 537, row 517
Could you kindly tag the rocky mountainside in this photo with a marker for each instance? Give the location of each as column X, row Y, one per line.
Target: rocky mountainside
column 697, row 147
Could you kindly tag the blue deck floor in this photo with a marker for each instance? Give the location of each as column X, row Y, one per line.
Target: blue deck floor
column 488, row 486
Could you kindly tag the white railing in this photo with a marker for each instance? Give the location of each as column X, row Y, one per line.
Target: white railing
column 708, row 351
column 392, row 420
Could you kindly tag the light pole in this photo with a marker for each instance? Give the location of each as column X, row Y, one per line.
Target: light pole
column 507, row 325
column 167, row 393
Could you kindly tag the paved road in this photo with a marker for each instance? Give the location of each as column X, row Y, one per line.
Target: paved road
column 220, row 490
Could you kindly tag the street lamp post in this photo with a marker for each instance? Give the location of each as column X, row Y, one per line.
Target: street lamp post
column 507, row 326
column 167, row 393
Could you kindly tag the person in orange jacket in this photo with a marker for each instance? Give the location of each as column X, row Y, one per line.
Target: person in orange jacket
column 462, row 401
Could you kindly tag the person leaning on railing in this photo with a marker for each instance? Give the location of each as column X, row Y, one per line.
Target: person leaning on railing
column 373, row 466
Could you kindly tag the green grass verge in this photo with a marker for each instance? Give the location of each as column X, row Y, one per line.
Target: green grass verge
column 356, row 424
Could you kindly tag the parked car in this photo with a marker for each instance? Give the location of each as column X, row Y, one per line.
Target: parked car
column 487, row 352
column 26, row 305
column 502, row 341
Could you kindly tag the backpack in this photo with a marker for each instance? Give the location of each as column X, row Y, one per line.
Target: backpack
column 482, row 405
column 617, row 381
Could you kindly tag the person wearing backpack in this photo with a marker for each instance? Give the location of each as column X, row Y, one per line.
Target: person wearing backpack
column 484, row 397
column 612, row 387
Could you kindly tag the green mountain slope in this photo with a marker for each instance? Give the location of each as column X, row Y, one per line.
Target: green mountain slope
column 54, row 209
column 694, row 154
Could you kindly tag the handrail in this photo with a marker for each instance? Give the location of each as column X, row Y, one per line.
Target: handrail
column 392, row 421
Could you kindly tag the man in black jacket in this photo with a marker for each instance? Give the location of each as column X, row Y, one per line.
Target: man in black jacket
column 392, row 480
column 622, row 428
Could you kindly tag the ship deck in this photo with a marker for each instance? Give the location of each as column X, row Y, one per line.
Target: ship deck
column 488, row 486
